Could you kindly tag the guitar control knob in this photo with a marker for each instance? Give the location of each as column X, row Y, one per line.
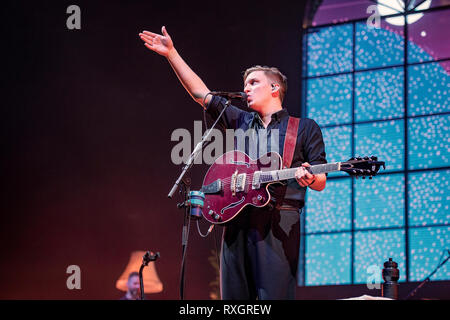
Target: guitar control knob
column 260, row 197
column 210, row 212
column 216, row 217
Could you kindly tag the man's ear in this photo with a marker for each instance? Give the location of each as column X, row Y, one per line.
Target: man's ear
column 275, row 87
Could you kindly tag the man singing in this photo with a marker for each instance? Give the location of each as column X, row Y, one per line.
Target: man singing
column 260, row 247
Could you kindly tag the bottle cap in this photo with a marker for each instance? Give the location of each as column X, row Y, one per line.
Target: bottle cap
column 390, row 264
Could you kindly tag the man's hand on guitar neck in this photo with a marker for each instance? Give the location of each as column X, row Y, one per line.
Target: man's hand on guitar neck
column 307, row 179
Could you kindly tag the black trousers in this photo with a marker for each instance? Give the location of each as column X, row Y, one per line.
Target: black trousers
column 259, row 257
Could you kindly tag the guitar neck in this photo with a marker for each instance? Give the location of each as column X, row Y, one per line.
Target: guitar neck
column 285, row 174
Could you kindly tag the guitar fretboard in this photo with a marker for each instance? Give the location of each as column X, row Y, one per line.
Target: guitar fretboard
column 285, row 174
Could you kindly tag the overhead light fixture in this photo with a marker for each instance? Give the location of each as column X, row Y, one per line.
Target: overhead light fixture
column 388, row 7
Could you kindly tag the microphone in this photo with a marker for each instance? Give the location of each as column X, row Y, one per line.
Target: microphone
column 230, row 95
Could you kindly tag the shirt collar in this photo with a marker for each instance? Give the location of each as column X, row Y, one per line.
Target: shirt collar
column 277, row 116
column 280, row 114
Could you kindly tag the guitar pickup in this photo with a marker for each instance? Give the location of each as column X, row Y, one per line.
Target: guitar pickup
column 214, row 187
column 238, row 182
column 256, row 184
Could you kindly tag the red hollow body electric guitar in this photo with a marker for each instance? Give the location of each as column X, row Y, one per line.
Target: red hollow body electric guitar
column 235, row 181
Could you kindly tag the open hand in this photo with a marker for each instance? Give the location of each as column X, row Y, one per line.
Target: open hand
column 161, row 44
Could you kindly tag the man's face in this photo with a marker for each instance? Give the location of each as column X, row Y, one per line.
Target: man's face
column 133, row 285
column 258, row 88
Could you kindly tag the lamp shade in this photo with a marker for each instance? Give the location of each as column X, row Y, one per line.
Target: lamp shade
column 150, row 278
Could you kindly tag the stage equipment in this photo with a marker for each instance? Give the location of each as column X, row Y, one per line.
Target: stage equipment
column 235, row 180
column 151, row 281
column 427, row 279
column 196, row 201
column 185, row 183
column 230, row 95
column 391, row 274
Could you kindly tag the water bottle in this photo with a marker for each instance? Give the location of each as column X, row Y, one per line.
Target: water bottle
column 391, row 275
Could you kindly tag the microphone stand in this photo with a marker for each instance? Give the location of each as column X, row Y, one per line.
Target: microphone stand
column 186, row 184
column 428, row 279
column 185, row 190
column 196, row 151
column 145, row 260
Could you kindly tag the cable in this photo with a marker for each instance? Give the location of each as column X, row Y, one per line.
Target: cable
column 211, row 227
column 218, row 255
column 427, row 279
column 204, row 109
column 217, row 249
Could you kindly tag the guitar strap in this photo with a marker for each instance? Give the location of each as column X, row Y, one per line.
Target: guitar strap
column 290, row 142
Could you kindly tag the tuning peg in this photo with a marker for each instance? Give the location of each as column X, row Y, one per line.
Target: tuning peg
column 370, row 177
column 364, row 177
column 366, row 158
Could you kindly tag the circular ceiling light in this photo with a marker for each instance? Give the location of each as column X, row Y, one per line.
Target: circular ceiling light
column 388, row 7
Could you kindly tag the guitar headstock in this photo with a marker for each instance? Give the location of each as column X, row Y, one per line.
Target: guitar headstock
column 362, row 167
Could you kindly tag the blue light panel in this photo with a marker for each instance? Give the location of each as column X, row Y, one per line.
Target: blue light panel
column 329, row 99
column 330, row 50
column 429, row 198
column 428, row 89
column 427, row 247
column 429, row 142
column 328, row 259
column 377, row 47
column 379, row 94
column 338, row 145
column 329, row 210
column 375, row 248
column 378, row 128
column 382, row 139
column 380, row 202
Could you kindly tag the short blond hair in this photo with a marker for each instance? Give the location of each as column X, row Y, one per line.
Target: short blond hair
column 273, row 74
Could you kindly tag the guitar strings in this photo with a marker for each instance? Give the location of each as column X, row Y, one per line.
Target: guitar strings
column 248, row 181
column 250, row 177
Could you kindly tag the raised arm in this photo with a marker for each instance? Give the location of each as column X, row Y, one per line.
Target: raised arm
column 163, row 45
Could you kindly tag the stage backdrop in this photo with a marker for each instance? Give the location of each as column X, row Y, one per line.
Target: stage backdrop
column 87, row 117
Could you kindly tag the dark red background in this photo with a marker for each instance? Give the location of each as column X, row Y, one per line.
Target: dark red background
column 87, row 117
